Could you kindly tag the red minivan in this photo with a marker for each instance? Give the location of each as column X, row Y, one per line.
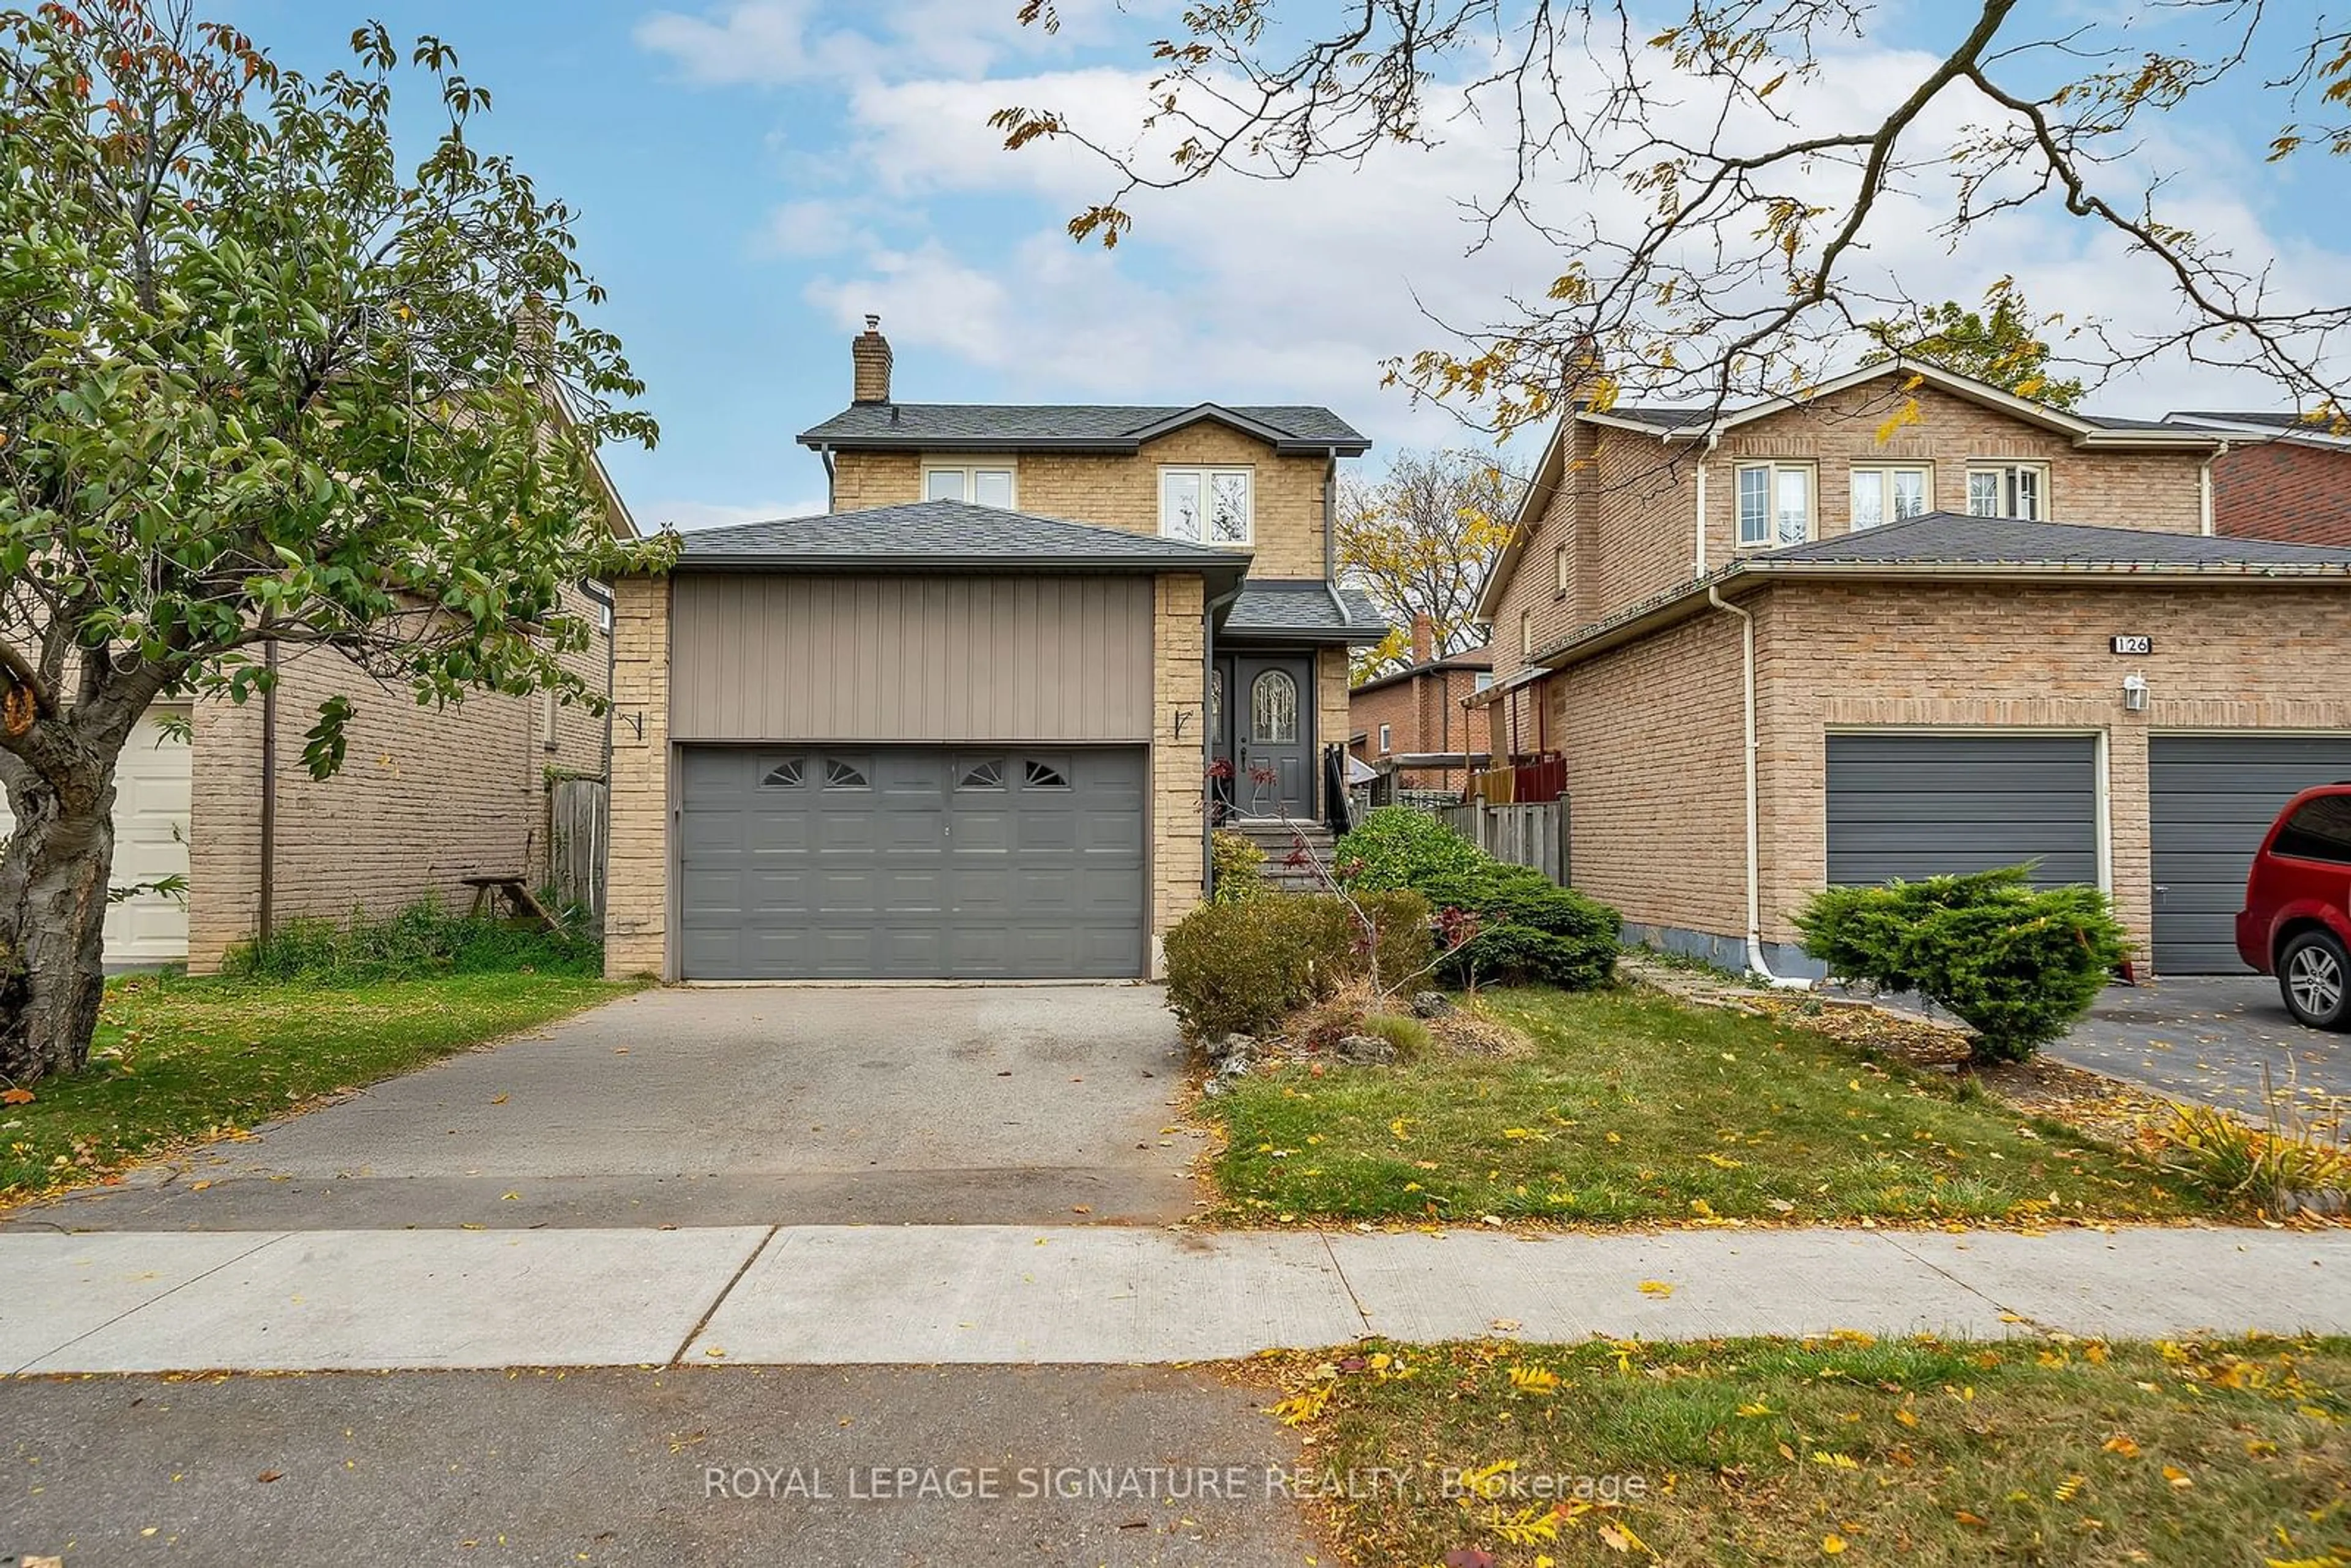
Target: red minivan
column 2296, row 923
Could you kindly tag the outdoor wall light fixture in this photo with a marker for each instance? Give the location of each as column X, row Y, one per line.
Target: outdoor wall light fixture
column 2135, row 693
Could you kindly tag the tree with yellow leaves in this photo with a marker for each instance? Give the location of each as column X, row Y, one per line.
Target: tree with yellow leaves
column 1420, row 541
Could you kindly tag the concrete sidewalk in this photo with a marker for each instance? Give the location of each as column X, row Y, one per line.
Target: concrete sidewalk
column 829, row 1295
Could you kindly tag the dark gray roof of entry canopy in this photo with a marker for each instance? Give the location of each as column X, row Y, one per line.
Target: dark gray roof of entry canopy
column 1090, row 427
column 947, row 536
column 1301, row 609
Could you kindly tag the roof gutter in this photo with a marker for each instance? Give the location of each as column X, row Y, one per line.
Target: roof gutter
column 1755, row 959
column 832, row 479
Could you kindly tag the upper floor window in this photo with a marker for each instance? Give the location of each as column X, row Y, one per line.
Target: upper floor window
column 1385, row 731
column 2008, row 490
column 1559, row 572
column 980, row 486
column 1526, row 633
column 1889, row 494
column 602, row 598
column 1207, row 505
column 1776, row 505
column 1481, row 680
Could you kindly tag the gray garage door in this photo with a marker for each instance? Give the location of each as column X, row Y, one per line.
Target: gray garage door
column 908, row 862
column 2211, row 798
column 1915, row 806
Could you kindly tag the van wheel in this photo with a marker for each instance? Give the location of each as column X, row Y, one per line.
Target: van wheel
column 2314, row 978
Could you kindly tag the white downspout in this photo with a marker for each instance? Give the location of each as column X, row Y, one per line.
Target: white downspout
column 1754, row 833
column 1697, row 554
column 2204, row 488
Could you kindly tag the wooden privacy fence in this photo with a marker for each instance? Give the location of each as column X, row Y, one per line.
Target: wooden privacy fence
column 1521, row 835
column 578, row 817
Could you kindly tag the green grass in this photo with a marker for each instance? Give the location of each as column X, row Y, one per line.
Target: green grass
column 1843, row 1449
column 1635, row 1107
column 178, row 1058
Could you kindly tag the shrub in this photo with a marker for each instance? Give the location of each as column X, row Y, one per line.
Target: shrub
column 1528, row 930
column 1242, row 967
column 1240, row 866
column 1396, row 846
column 2017, row 965
column 1408, row 1034
column 420, row 940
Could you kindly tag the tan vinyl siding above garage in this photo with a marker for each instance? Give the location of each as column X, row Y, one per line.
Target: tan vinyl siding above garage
column 926, row 659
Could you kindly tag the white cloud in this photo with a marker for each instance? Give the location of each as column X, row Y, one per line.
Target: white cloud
column 1249, row 290
column 687, row 516
column 770, row 42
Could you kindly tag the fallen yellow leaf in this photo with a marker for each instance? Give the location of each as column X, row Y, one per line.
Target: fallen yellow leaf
column 1832, row 1544
column 1655, row 1288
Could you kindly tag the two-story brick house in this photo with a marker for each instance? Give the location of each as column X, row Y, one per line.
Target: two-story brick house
column 1412, row 723
column 1908, row 624
column 968, row 723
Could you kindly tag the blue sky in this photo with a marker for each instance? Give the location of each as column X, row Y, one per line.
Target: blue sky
column 754, row 175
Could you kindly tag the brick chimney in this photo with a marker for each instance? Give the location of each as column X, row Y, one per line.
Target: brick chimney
column 1423, row 639
column 869, row 352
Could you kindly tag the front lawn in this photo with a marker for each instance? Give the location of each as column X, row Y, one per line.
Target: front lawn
column 179, row 1059
column 1634, row 1107
column 1841, row 1450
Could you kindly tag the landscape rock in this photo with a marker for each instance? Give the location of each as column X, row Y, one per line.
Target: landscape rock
column 1431, row 1005
column 1366, row 1050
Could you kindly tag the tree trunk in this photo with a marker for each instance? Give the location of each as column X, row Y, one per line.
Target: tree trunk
column 53, row 901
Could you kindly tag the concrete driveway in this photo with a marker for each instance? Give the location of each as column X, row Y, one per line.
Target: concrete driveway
column 2208, row 1038
column 736, row 1106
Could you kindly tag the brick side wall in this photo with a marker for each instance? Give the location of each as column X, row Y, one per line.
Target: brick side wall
column 2283, row 490
column 1330, row 714
column 425, row 795
column 1423, row 713
column 636, row 901
column 1121, row 492
column 1958, row 655
column 1656, row 802
column 1178, row 760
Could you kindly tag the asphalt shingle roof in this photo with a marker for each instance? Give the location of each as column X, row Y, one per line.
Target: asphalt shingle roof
column 943, row 534
column 1302, row 608
column 1100, row 425
column 1950, row 539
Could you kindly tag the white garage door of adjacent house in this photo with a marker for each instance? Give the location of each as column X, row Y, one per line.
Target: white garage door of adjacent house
column 150, row 844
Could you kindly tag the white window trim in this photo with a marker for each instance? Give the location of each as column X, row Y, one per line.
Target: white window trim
column 2005, row 468
column 968, row 468
column 1526, row 633
column 1206, row 473
column 1926, row 471
column 1384, row 747
column 1560, row 580
column 1812, row 472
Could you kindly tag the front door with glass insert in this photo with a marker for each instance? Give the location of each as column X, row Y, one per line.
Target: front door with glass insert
column 1268, row 703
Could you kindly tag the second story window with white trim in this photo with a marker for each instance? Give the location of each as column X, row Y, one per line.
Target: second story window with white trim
column 1384, row 733
column 1888, row 495
column 980, row 486
column 2009, row 490
column 1207, row 505
column 1776, row 505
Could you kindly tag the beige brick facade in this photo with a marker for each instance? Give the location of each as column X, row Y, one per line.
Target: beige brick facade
column 1178, row 755
column 637, row 897
column 1625, row 510
column 1118, row 491
column 1655, row 785
column 426, row 796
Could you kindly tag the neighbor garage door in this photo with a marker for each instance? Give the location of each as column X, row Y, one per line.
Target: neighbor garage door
column 908, row 862
column 1915, row 806
column 2211, row 798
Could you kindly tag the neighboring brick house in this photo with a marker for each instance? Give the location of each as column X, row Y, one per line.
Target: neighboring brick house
column 425, row 797
column 2280, row 477
column 1813, row 642
column 965, row 724
column 1411, row 722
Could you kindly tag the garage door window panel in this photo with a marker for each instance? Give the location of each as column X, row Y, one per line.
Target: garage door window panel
column 792, row 773
column 840, row 773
